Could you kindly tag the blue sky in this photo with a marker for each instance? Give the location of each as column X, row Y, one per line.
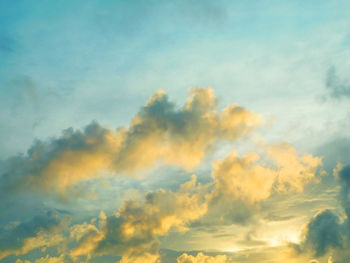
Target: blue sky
column 96, row 66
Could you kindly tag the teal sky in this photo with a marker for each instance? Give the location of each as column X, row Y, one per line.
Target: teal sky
column 102, row 102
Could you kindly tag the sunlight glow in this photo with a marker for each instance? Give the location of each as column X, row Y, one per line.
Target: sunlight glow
column 283, row 238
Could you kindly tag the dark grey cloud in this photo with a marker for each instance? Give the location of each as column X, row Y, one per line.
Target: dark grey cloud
column 323, row 233
column 337, row 88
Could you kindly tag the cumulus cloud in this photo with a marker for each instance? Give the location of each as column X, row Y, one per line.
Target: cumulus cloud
column 241, row 177
column 54, row 165
column 182, row 137
column 241, row 182
column 160, row 132
column 40, row 232
column 202, row 258
column 132, row 232
column 252, row 179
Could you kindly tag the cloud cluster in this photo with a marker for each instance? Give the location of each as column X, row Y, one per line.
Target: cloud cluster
column 131, row 233
column 160, row 132
column 202, row 258
column 40, row 232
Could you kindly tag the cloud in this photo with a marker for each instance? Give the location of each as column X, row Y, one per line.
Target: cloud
column 41, row 231
column 337, row 88
column 87, row 236
column 252, row 180
column 182, row 137
column 326, row 232
column 202, row 258
column 22, row 261
column 7, row 44
column 59, row 163
column 336, row 150
column 132, row 232
column 344, row 177
column 159, row 133
column 242, row 182
column 323, row 233
column 48, row 259
column 240, row 177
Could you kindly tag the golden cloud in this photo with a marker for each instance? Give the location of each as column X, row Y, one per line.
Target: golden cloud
column 252, row 179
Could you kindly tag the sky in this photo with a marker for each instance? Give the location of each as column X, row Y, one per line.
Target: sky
column 174, row 131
